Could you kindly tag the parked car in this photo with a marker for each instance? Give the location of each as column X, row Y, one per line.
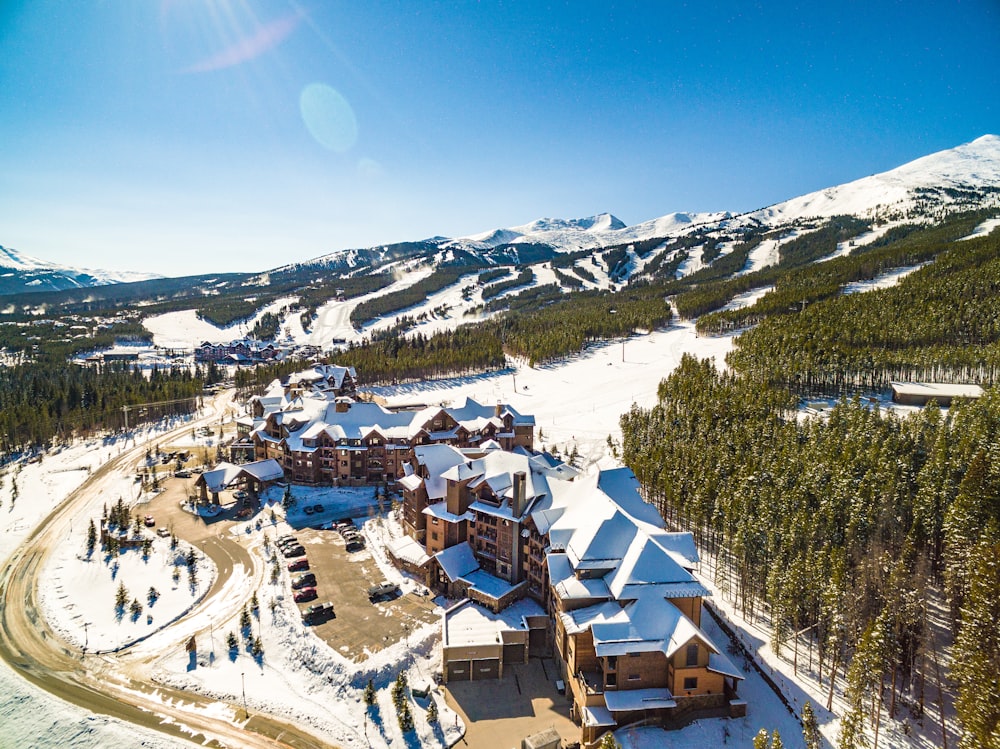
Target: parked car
column 183, row 474
column 286, row 538
column 293, row 551
column 307, row 580
column 150, row 521
column 383, row 591
column 356, row 544
column 163, row 532
column 306, row 594
column 318, row 612
column 299, row 565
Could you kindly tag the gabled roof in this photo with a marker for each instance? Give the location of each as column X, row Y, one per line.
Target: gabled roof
column 264, row 470
column 219, row 477
column 457, row 561
column 645, row 566
column 568, row 586
column 602, row 543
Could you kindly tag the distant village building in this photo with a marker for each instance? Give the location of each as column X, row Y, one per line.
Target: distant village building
column 321, row 435
column 922, row 393
column 241, row 351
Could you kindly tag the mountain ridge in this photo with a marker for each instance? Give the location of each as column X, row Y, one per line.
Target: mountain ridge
column 965, row 176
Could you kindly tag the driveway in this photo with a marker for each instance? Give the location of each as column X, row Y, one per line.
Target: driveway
column 498, row 714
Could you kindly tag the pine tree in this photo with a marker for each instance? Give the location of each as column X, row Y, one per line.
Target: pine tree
column 810, row 727
column 432, row 712
column 135, row 608
column 245, row 619
column 232, row 642
column 608, row 741
column 977, row 648
column 761, row 740
column 91, row 538
column 370, row 693
column 121, row 596
column 776, row 742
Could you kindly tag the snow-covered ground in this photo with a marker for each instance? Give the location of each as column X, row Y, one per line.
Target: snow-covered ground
column 576, row 403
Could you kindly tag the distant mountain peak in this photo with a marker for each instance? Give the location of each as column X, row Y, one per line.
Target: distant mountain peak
column 22, row 272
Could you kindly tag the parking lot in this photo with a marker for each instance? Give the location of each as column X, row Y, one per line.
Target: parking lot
column 360, row 627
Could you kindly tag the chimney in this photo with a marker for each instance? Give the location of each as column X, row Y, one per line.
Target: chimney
column 498, row 410
column 518, row 503
column 343, row 405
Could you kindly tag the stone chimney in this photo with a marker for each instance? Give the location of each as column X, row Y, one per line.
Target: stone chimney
column 498, row 410
column 518, row 503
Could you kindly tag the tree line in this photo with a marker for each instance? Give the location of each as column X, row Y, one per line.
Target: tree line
column 50, row 401
column 844, row 527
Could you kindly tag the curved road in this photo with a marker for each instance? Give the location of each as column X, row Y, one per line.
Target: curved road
column 116, row 687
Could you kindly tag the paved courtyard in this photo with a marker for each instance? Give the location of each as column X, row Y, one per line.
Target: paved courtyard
column 499, row 714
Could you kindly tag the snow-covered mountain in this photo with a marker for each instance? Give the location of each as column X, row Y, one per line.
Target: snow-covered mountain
column 960, row 178
column 20, row 272
column 965, row 176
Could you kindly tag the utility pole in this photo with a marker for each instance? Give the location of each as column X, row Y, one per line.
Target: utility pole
column 246, row 713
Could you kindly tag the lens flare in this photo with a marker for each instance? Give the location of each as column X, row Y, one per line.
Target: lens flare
column 328, row 117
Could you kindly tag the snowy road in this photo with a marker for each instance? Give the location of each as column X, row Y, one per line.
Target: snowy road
column 114, row 685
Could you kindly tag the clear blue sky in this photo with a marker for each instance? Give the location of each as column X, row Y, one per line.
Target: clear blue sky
column 190, row 136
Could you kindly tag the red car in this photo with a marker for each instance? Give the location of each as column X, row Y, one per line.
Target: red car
column 299, row 565
column 306, row 594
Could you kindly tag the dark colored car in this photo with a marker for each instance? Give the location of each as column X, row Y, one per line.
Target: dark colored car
column 306, row 594
column 299, row 565
column 318, row 612
column 307, row 580
column 293, row 551
column 356, row 544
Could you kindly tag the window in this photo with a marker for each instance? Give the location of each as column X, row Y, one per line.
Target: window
column 612, row 662
column 634, row 677
column 692, row 655
column 610, row 680
column 690, row 682
column 434, row 536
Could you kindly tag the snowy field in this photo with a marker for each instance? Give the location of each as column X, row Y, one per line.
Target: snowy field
column 576, row 403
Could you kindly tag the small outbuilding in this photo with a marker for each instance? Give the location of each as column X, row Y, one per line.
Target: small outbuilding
column 922, row 393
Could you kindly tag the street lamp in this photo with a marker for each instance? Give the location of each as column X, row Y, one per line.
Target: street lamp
column 86, row 639
column 246, row 713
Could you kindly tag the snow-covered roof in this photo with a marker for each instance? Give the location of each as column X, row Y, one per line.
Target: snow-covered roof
column 719, row 663
column 457, row 561
column 220, row 477
column 568, row 586
column 440, row 510
column 936, row 390
column 264, row 470
column 623, row 700
column 597, row 715
column 466, row 624
column 314, row 413
column 487, row 584
column 405, row 549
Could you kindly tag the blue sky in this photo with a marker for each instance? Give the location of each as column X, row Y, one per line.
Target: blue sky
column 195, row 136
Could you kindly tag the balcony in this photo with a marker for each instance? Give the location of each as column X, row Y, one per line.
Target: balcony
column 591, row 682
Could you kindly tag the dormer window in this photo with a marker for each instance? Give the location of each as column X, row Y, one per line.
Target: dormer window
column 692, row 654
